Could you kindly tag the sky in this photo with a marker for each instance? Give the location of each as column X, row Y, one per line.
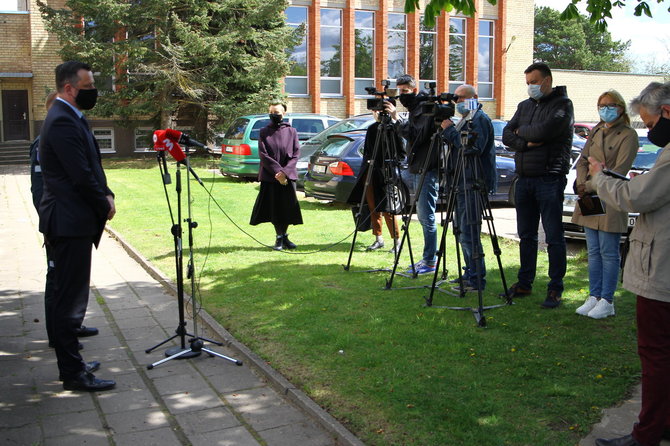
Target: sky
column 650, row 37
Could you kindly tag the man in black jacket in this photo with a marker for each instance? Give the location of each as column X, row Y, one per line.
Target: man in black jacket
column 540, row 134
column 75, row 205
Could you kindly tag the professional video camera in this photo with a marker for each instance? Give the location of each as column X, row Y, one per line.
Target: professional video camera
column 377, row 104
column 440, row 106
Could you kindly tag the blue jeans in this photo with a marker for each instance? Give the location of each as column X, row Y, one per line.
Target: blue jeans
column 537, row 197
column 426, row 203
column 603, row 249
column 470, row 226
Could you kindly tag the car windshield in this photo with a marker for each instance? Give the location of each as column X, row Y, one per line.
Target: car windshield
column 335, row 147
column 498, row 127
column 343, row 126
column 236, row 130
column 645, row 159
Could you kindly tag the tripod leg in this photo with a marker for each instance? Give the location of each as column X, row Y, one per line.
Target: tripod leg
column 213, row 353
column 178, row 355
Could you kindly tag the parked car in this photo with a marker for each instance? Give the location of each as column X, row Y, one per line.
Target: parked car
column 307, row 148
column 645, row 159
column 334, row 168
column 239, row 144
column 583, row 129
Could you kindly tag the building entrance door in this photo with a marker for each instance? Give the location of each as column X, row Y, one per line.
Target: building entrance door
column 15, row 119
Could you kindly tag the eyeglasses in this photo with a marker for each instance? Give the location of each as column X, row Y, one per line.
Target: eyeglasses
column 612, row 107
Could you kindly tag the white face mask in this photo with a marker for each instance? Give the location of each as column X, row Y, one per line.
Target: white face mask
column 535, row 91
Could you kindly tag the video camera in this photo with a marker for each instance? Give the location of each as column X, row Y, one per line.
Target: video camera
column 377, row 104
column 434, row 105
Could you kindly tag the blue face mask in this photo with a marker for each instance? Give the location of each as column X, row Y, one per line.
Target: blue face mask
column 461, row 108
column 608, row 113
column 535, row 91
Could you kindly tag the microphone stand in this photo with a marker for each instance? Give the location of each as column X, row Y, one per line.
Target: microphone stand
column 196, row 342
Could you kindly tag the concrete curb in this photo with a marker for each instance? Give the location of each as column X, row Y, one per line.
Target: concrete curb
column 275, row 379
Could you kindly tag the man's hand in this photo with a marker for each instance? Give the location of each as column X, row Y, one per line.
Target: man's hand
column 112, row 208
column 581, row 190
column 534, row 144
column 446, row 124
column 595, row 166
column 281, row 177
column 391, row 110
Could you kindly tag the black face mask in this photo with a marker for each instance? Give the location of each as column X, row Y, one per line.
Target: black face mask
column 276, row 118
column 407, row 99
column 660, row 133
column 86, row 99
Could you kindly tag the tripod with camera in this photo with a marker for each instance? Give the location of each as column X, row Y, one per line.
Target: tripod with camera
column 468, row 196
column 384, row 178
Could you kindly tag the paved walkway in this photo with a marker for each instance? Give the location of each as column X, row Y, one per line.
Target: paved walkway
column 199, row 401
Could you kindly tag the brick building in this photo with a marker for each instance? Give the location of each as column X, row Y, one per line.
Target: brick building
column 349, row 45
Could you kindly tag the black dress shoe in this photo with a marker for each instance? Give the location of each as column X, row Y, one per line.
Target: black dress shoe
column 286, row 243
column 279, row 243
column 628, row 440
column 84, row 332
column 91, row 367
column 88, row 382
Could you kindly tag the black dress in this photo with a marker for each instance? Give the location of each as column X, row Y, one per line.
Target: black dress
column 276, row 204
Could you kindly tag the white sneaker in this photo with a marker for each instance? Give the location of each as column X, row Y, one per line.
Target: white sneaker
column 602, row 310
column 587, row 306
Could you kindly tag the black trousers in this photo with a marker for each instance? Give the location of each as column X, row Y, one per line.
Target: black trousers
column 49, row 293
column 72, row 273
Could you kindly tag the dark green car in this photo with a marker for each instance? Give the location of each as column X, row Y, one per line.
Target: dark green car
column 239, row 144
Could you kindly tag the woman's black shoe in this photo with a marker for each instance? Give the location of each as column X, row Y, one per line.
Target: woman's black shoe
column 279, row 243
column 286, row 243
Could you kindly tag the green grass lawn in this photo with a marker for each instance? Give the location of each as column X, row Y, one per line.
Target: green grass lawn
column 392, row 370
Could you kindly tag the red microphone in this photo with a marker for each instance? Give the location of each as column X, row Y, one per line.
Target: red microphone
column 175, row 150
column 159, row 140
column 182, row 138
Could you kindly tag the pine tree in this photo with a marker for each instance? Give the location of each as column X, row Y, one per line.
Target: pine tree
column 189, row 59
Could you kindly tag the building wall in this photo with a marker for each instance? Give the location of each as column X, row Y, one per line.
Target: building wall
column 518, row 54
column 15, row 38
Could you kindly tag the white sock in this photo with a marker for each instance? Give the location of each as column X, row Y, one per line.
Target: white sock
column 380, row 239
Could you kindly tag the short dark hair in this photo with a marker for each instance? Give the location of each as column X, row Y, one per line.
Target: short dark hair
column 406, row 79
column 539, row 66
column 279, row 103
column 67, row 73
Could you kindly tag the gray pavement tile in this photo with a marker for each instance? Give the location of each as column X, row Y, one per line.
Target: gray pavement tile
column 136, row 420
column 15, row 416
column 20, row 436
column 170, row 368
column 115, row 367
column 183, row 383
column 106, row 355
column 236, row 436
column 75, row 423
column 192, row 401
column 65, row 402
column 227, row 377
column 135, row 322
column 263, row 408
column 156, row 437
column 112, row 401
column 19, row 395
column 302, row 434
column 125, row 382
column 131, row 313
column 207, row 420
column 145, row 333
column 88, row 439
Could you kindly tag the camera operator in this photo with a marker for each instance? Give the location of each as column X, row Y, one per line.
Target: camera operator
column 481, row 154
column 417, row 130
column 378, row 200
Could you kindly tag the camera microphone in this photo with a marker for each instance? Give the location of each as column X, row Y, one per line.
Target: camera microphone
column 182, row 138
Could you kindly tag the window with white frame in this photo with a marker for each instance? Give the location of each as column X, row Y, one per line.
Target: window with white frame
column 296, row 81
column 364, row 36
column 105, row 137
column 456, row 53
column 14, row 5
column 144, row 139
column 427, row 52
column 485, row 65
column 331, row 52
column 397, row 42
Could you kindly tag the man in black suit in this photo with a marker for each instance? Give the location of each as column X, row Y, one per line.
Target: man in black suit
column 75, row 205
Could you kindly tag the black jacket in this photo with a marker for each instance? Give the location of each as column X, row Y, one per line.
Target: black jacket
column 549, row 122
column 418, row 130
column 74, row 202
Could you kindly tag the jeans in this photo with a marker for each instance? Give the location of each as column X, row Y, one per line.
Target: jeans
column 537, row 197
column 426, row 203
column 603, row 249
column 469, row 219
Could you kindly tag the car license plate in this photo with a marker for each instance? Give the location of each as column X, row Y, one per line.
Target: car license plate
column 319, row 169
column 228, row 149
column 631, row 221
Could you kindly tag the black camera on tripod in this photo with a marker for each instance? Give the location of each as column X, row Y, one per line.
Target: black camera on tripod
column 377, row 103
column 441, row 106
